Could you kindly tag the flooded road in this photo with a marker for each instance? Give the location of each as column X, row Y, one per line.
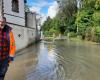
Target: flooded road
column 59, row 60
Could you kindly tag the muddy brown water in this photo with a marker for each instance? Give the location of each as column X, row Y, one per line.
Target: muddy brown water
column 59, row 60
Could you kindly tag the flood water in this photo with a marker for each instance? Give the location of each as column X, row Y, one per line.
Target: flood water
column 63, row 60
column 58, row 60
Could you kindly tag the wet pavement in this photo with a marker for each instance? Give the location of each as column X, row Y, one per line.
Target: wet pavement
column 59, row 60
column 24, row 61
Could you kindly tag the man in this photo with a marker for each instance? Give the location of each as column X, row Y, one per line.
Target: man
column 7, row 47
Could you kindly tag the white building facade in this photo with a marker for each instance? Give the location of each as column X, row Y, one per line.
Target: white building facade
column 23, row 24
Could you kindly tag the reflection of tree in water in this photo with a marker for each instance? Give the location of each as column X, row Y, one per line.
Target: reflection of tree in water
column 50, row 47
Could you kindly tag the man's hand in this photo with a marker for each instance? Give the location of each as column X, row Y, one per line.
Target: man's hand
column 11, row 59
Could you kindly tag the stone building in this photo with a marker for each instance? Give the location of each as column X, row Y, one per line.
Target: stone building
column 23, row 23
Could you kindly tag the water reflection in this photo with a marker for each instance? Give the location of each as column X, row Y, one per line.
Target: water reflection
column 67, row 60
column 80, row 60
column 47, row 67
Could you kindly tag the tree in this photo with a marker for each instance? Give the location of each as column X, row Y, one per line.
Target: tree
column 96, row 18
column 67, row 7
column 47, row 24
column 67, row 11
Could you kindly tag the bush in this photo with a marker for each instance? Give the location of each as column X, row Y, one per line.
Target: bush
column 47, row 34
column 72, row 34
column 97, row 34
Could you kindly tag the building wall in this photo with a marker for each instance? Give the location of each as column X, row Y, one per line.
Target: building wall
column 31, row 20
column 31, row 35
column 14, row 17
column 0, row 7
column 23, row 36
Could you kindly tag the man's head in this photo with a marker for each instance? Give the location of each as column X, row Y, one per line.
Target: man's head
column 2, row 22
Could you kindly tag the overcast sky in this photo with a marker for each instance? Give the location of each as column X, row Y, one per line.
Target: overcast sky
column 43, row 7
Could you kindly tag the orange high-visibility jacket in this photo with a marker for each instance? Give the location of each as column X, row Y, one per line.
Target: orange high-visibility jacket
column 12, row 45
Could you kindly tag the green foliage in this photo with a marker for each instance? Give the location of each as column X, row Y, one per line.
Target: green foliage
column 47, row 34
column 83, row 21
column 62, row 29
column 47, row 24
column 51, row 25
column 88, row 33
column 97, row 5
column 67, row 7
column 96, row 17
column 88, row 18
column 72, row 34
column 97, row 31
column 97, row 34
column 88, row 4
column 71, row 26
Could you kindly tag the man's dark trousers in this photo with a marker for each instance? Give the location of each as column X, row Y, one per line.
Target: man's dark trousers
column 3, row 68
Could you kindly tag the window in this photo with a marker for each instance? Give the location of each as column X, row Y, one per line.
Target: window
column 15, row 6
